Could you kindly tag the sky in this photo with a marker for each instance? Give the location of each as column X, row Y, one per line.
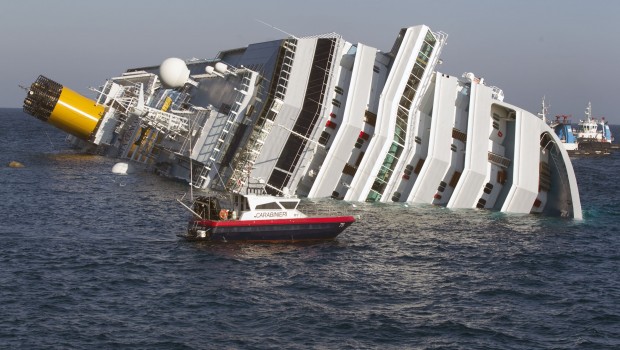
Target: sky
column 565, row 50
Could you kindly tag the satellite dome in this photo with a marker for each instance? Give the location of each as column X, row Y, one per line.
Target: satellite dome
column 173, row 72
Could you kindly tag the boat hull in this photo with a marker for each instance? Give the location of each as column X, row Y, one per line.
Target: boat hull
column 273, row 231
column 592, row 148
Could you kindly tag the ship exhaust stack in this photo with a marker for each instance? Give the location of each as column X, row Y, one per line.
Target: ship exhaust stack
column 64, row 108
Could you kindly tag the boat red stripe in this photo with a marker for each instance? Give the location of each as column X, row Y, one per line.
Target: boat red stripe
column 294, row 221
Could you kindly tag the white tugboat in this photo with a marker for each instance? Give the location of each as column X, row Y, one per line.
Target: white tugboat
column 592, row 136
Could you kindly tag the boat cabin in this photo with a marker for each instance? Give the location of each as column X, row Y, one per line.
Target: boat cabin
column 246, row 207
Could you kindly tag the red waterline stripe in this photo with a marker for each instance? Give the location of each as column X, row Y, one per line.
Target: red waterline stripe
column 295, row 221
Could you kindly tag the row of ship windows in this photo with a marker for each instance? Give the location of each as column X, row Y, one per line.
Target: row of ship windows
column 405, row 103
column 274, row 205
column 400, row 132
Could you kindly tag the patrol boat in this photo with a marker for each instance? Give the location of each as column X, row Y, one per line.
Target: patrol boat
column 259, row 217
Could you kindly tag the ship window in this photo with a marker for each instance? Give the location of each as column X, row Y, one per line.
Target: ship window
column 271, row 115
column 455, row 178
column 501, row 176
column 349, row 169
column 422, row 60
column 270, row 205
column 495, row 125
column 418, row 166
column 289, row 205
column 488, row 188
column 418, row 140
column 336, row 102
column 429, row 38
column 481, row 203
column 417, row 71
column 442, row 186
column 370, row 118
column 225, row 108
column 324, row 138
column 378, row 186
column 373, row 196
column 426, row 49
column 278, row 179
column 375, row 69
column 405, row 102
column 359, row 143
column 453, row 148
column 245, row 205
column 339, row 90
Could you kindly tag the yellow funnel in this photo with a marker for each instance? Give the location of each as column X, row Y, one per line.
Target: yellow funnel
column 63, row 108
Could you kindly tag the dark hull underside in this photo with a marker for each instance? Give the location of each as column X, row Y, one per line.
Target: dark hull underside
column 275, row 231
column 592, row 148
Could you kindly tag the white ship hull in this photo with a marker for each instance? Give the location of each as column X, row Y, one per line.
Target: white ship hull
column 321, row 117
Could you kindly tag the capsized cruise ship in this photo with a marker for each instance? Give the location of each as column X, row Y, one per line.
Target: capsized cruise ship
column 322, row 117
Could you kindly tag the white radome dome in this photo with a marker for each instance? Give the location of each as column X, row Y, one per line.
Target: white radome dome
column 173, row 72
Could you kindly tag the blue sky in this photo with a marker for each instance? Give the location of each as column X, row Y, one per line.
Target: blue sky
column 565, row 49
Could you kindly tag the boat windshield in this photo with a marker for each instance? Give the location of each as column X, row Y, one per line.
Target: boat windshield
column 289, row 204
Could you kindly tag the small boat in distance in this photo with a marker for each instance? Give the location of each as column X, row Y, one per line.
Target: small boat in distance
column 564, row 130
column 593, row 129
column 592, row 136
column 259, row 217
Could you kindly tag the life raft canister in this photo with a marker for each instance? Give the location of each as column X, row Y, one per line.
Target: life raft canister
column 223, row 214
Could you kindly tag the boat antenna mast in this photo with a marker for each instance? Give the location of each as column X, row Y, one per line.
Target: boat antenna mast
column 191, row 173
column 544, row 110
column 589, row 111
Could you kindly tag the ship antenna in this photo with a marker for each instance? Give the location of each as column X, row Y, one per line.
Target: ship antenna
column 544, row 110
column 276, row 28
column 589, row 111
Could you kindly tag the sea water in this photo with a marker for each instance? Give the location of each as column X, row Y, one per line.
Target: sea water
column 91, row 260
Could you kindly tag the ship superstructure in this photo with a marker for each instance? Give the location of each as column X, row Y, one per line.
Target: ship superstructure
column 322, row 117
